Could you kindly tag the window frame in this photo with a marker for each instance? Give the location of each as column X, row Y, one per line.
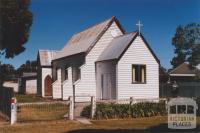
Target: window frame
column 56, row 76
column 145, row 79
column 66, row 75
column 78, row 74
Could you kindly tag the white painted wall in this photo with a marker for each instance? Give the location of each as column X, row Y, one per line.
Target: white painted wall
column 31, row 86
column 137, row 53
column 67, row 85
column 57, row 89
column 45, row 73
column 87, row 84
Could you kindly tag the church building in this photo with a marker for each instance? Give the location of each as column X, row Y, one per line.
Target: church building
column 102, row 61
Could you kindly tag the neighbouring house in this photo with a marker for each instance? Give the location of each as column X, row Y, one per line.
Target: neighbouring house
column 183, row 81
column 13, row 84
column 183, row 73
column 105, row 62
column 28, row 83
column 44, row 72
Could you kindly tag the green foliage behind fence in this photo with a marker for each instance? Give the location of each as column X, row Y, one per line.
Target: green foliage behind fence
column 110, row 111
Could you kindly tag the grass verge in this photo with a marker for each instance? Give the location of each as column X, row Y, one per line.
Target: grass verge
column 42, row 112
column 146, row 124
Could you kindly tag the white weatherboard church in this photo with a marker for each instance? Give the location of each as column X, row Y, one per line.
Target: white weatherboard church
column 101, row 61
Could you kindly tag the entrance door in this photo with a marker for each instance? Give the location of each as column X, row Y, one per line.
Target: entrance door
column 48, row 86
column 106, row 86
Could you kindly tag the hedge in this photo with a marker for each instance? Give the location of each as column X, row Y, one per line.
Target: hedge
column 145, row 109
column 110, row 111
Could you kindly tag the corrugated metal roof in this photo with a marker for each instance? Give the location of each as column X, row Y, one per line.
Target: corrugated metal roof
column 83, row 41
column 29, row 74
column 183, row 69
column 46, row 56
column 116, row 47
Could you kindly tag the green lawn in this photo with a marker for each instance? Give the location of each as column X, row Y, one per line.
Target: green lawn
column 151, row 124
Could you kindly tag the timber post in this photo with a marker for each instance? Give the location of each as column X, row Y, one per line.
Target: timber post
column 93, row 106
column 71, row 108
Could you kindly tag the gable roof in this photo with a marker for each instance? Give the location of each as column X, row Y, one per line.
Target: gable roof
column 46, row 56
column 119, row 45
column 183, row 69
column 83, row 42
column 116, row 47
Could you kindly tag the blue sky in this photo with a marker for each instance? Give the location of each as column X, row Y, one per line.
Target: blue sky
column 55, row 21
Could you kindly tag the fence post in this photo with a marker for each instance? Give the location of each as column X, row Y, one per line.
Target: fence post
column 71, row 108
column 13, row 118
column 131, row 100
column 93, row 106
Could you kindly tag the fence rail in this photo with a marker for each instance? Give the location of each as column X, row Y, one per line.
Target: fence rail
column 42, row 111
column 133, row 100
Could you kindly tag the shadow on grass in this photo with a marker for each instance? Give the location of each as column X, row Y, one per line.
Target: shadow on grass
column 162, row 128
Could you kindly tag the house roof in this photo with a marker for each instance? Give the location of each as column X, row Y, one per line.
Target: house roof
column 119, row 45
column 116, row 47
column 83, row 41
column 184, row 70
column 29, row 74
column 46, row 56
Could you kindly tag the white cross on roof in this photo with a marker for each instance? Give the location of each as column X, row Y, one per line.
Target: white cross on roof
column 139, row 26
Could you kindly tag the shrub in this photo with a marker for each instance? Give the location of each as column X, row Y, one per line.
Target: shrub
column 109, row 111
column 86, row 111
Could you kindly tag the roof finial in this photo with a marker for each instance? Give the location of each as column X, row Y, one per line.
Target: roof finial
column 139, row 26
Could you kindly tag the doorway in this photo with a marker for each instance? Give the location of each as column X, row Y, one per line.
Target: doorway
column 106, row 86
column 48, row 86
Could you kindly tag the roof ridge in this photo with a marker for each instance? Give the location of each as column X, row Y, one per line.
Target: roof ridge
column 91, row 26
column 46, row 50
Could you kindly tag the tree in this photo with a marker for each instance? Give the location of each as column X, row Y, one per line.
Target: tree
column 187, row 45
column 15, row 23
column 29, row 66
column 7, row 71
column 163, row 75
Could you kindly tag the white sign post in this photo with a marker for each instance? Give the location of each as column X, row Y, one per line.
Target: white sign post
column 71, row 108
column 13, row 118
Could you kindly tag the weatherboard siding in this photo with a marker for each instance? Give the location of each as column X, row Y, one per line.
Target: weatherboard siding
column 137, row 53
column 67, row 86
column 57, row 89
column 87, row 85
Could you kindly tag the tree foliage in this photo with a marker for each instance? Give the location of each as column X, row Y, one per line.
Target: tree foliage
column 6, row 71
column 187, row 45
column 15, row 23
column 29, row 66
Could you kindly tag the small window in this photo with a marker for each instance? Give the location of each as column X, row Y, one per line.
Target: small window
column 77, row 75
column 66, row 74
column 56, row 75
column 138, row 74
